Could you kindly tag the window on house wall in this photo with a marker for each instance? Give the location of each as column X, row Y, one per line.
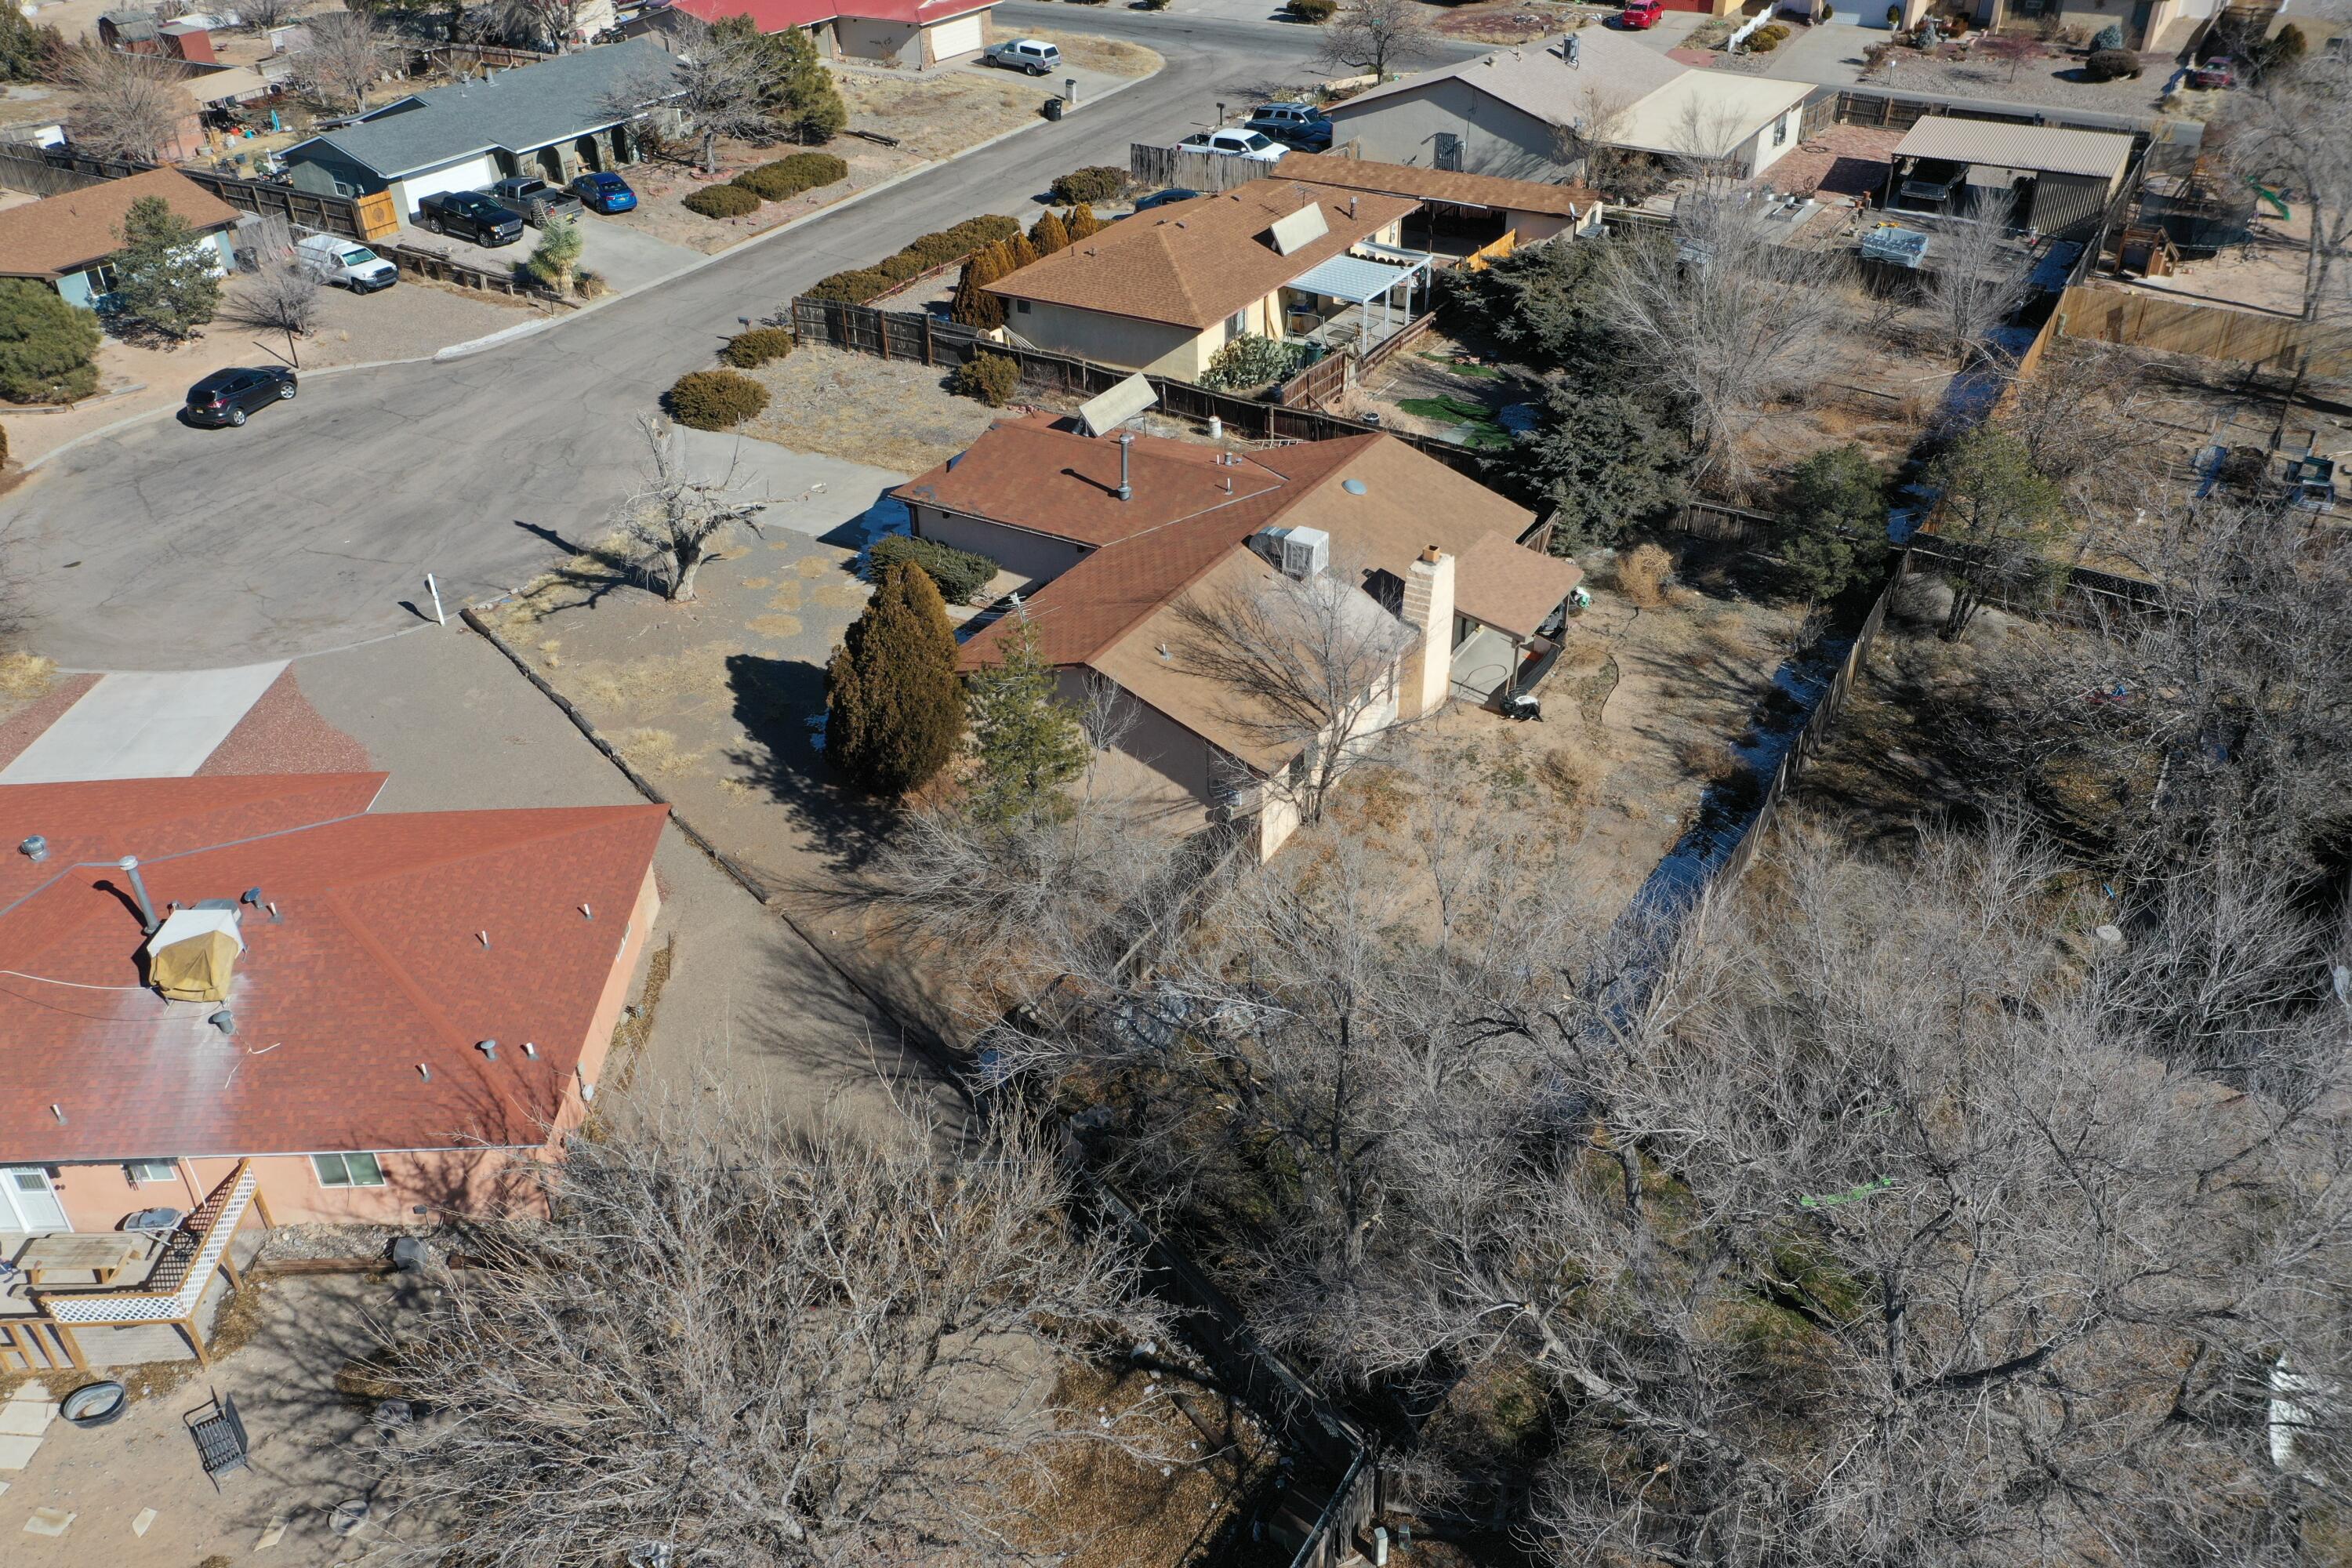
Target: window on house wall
column 1021, row 306
column 345, row 188
column 104, row 278
column 1449, row 150
column 1780, row 132
column 146, row 1172
column 1238, row 323
column 347, row 1169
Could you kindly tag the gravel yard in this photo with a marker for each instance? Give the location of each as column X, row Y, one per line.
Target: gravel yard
column 887, row 413
column 662, row 186
column 2053, row 79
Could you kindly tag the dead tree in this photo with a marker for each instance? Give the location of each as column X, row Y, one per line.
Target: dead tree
column 1371, row 36
column 125, row 105
column 732, row 1342
column 1976, row 277
column 1727, row 314
column 285, row 298
column 675, row 522
column 346, row 55
column 1304, row 667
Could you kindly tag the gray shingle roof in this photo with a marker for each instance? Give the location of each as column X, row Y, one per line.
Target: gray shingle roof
column 514, row 110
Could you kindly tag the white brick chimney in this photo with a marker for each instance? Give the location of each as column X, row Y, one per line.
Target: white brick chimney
column 1428, row 604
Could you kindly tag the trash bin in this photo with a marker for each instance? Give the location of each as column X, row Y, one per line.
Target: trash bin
column 1053, row 109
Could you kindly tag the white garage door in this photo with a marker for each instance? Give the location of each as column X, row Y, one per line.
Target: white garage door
column 960, row 37
column 470, row 175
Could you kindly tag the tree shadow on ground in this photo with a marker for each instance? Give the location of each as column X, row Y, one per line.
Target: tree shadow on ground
column 774, row 700
column 586, row 573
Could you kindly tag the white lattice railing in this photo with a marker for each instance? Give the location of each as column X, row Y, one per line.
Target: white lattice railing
column 164, row 1307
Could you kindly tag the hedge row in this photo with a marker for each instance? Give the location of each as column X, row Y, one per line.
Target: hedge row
column 721, row 201
column 959, row 574
column 860, row 284
column 788, row 177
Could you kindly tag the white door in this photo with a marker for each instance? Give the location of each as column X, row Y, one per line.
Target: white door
column 961, row 36
column 27, row 1201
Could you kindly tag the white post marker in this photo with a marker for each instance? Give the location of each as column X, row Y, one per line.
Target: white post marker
column 434, row 589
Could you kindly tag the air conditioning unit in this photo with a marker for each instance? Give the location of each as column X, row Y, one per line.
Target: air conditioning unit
column 1305, row 552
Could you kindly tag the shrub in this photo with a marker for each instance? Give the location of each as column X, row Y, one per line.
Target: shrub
column 1253, row 361
column 991, row 378
column 2110, row 36
column 1048, row 234
column 4, row 446
column 960, row 574
column 972, row 305
column 1095, row 182
column 46, row 345
column 721, row 201
column 1153, row 4
column 1642, row 574
column 1316, row 11
column 715, row 399
column 788, row 177
column 2111, row 65
column 1082, row 223
column 854, row 287
column 746, row 350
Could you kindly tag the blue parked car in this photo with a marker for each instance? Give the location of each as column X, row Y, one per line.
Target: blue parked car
column 605, row 193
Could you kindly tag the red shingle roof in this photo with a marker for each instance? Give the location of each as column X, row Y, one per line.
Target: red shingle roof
column 374, row 968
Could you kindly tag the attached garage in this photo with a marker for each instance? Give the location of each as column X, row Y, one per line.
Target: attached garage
column 467, row 174
column 956, row 38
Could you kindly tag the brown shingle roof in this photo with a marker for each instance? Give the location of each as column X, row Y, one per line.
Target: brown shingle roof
column 1438, row 185
column 58, row 235
column 1195, row 263
column 374, row 967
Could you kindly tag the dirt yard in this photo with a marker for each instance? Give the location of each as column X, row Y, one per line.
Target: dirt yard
column 663, row 184
column 1515, row 21
column 888, row 414
column 1639, row 718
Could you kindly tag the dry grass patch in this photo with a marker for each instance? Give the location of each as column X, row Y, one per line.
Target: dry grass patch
column 938, row 113
column 777, row 627
column 658, row 683
column 657, row 752
column 26, row 675
column 1112, row 57
column 887, row 413
column 1642, row 574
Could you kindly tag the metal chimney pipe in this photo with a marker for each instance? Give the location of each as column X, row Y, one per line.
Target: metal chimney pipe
column 1126, row 490
column 147, row 922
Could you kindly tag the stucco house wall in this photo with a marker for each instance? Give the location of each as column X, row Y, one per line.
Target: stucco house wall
column 1036, row 557
column 880, row 42
column 1496, row 138
column 1121, row 341
column 86, row 289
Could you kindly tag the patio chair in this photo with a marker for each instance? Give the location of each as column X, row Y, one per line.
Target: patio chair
column 219, row 1432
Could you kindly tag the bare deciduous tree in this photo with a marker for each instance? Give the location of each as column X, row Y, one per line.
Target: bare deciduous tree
column 1727, row 316
column 721, row 83
column 1590, row 138
column 675, row 521
column 1303, row 667
column 285, row 298
column 125, row 105
column 1373, row 35
column 1975, row 277
column 732, row 1342
column 346, row 55
column 2292, row 127
column 260, row 15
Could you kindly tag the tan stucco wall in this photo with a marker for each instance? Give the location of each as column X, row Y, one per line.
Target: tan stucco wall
column 1496, row 139
column 1119, row 340
column 1034, row 557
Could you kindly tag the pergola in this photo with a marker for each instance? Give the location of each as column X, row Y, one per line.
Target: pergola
column 1360, row 279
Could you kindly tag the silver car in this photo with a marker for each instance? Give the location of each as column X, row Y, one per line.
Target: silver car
column 1032, row 55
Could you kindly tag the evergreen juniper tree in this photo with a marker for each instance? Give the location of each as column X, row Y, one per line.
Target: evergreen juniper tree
column 1027, row 740
column 1833, row 527
column 165, row 273
column 894, row 706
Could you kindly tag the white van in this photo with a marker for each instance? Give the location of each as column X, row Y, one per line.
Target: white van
column 333, row 260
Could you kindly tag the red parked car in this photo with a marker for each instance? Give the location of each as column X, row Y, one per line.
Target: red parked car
column 1639, row 15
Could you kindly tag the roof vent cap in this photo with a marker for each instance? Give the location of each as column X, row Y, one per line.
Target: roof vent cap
column 1354, row 487
column 36, row 848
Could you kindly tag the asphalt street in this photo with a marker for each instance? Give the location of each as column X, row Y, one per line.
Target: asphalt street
column 162, row 547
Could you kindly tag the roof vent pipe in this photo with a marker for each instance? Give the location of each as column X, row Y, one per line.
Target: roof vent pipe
column 1126, row 490
column 147, row 921
column 36, row 849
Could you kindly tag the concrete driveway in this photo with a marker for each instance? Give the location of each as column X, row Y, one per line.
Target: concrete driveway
column 624, row 257
column 1090, row 84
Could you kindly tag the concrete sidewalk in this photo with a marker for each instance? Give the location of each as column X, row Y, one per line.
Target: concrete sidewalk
column 144, row 725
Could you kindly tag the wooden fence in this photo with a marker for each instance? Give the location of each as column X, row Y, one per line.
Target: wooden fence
column 1898, row 110
column 930, row 340
column 54, row 170
column 2179, row 326
column 1815, row 734
column 1164, row 168
column 2084, row 596
column 1704, row 519
column 1327, row 381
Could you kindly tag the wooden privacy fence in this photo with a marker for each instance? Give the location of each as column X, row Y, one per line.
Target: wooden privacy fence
column 51, row 170
column 2083, row 595
column 1815, row 734
column 1704, row 519
column 1898, row 110
column 1160, row 168
column 2192, row 327
column 442, row 270
column 928, row 340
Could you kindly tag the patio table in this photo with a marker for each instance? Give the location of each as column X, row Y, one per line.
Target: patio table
column 104, row 1255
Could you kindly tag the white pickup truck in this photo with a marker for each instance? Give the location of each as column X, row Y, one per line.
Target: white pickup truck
column 1250, row 144
column 333, row 260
